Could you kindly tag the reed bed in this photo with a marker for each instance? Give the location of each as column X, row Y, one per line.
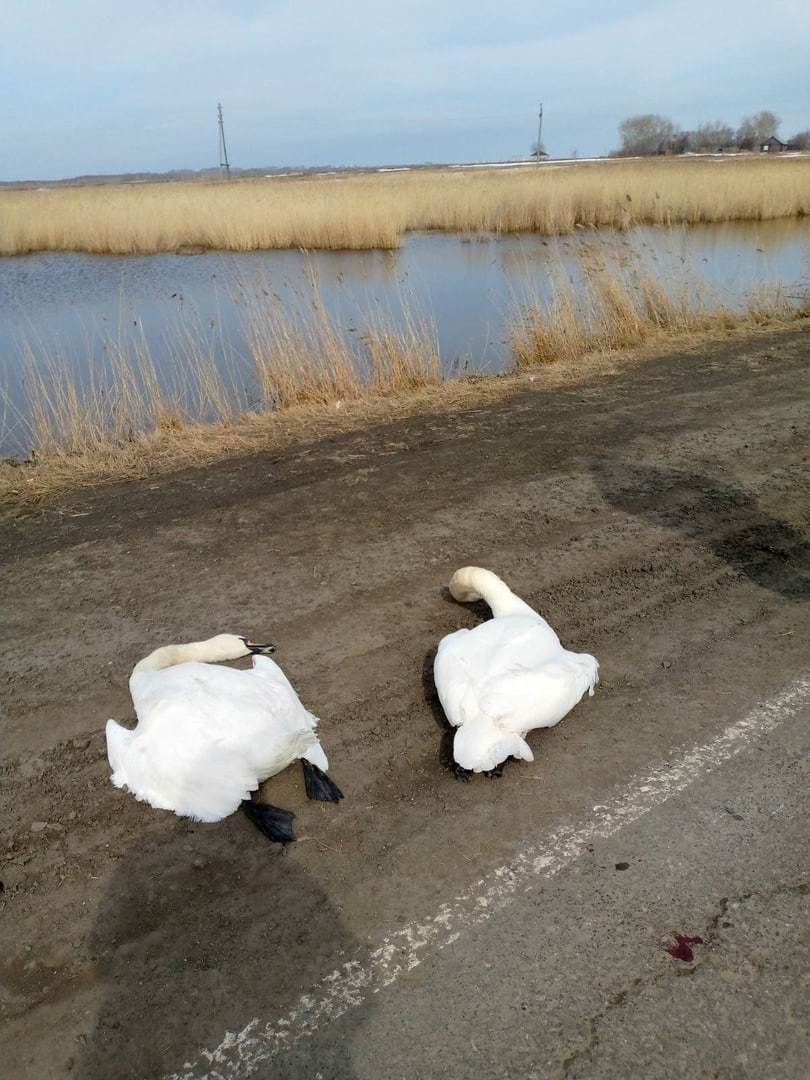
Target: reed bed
column 76, row 408
column 139, row 414
column 302, row 356
column 622, row 301
column 369, row 211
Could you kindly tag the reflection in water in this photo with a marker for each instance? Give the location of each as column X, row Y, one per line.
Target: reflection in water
column 71, row 306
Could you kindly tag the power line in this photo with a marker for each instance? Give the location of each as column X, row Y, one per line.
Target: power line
column 223, row 149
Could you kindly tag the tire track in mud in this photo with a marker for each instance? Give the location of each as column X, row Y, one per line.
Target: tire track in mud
column 663, row 529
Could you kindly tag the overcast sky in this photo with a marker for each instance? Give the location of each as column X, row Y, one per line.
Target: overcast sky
column 92, row 86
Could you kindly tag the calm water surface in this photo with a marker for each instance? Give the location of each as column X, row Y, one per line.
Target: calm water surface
column 68, row 306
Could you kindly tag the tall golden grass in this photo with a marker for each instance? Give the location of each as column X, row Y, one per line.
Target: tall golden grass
column 618, row 301
column 375, row 210
column 75, row 407
column 301, row 355
column 131, row 417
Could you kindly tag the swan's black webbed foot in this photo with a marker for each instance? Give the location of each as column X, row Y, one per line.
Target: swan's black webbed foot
column 460, row 772
column 318, row 784
column 276, row 824
column 493, row 774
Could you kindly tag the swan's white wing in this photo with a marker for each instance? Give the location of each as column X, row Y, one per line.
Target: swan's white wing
column 516, row 641
column 501, row 680
column 451, row 674
column 221, row 702
column 201, row 778
column 208, row 735
column 469, row 660
column 523, row 698
column 303, row 720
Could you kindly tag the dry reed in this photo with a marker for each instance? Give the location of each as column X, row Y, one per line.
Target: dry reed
column 611, row 307
column 369, row 211
column 130, row 419
column 80, row 408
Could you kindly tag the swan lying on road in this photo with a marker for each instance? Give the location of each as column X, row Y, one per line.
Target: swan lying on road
column 208, row 736
column 505, row 677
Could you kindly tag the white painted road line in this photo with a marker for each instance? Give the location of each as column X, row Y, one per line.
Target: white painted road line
column 240, row 1053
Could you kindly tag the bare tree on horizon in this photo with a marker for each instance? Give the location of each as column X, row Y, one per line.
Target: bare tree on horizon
column 645, row 134
column 756, row 129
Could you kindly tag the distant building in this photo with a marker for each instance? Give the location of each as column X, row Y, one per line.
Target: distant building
column 773, row 146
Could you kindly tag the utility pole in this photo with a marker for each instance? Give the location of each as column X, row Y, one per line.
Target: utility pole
column 540, row 133
column 223, row 149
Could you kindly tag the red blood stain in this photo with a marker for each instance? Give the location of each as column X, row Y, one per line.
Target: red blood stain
column 682, row 949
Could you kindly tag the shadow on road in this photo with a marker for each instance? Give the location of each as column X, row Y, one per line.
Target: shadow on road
column 197, row 936
column 727, row 520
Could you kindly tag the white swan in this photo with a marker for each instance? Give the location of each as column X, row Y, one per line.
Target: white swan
column 505, row 677
column 208, row 736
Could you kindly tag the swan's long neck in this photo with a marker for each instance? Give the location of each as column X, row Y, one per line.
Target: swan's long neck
column 474, row 583
column 168, row 656
column 202, row 651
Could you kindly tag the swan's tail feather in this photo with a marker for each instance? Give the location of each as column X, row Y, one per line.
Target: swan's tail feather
column 314, row 754
column 319, row 786
column 590, row 666
column 275, row 823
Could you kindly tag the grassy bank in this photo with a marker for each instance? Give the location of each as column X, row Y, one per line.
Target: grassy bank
column 376, row 210
column 133, row 419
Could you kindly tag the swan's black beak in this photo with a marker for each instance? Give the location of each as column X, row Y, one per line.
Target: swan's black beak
column 254, row 648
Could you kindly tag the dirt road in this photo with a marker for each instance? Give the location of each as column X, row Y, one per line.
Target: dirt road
column 659, row 518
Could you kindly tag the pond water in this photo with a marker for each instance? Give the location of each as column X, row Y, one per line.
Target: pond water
column 70, row 306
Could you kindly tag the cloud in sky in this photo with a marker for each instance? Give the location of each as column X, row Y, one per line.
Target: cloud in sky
column 96, row 86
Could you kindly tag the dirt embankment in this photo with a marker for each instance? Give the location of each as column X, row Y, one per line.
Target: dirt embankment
column 659, row 519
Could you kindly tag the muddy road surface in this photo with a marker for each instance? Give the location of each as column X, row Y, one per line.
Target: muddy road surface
column 516, row 927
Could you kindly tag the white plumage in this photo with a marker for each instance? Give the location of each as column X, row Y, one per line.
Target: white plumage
column 505, row 677
column 207, row 736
